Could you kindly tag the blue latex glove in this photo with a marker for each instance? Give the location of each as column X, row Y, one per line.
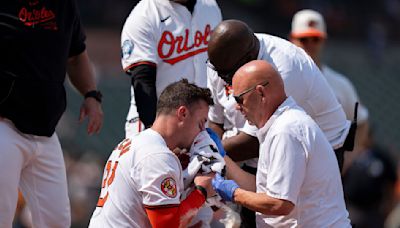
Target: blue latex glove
column 225, row 188
column 217, row 141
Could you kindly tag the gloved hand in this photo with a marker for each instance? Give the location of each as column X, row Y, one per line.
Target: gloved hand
column 217, row 141
column 225, row 188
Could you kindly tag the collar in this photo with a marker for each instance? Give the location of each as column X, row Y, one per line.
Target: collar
column 287, row 104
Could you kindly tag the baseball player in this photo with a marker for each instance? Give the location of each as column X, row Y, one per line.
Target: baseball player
column 143, row 178
column 309, row 33
column 162, row 42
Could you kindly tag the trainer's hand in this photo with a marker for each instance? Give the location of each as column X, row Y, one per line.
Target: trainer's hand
column 217, row 141
column 92, row 109
column 225, row 188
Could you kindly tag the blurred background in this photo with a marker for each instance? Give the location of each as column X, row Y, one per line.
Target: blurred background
column 363, row 44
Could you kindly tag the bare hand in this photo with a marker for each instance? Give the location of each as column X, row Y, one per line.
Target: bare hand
column 204, row 180
column 92, row 109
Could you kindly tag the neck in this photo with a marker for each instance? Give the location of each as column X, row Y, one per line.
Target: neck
column 166, row 128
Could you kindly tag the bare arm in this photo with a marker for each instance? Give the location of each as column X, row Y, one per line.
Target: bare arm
column 263, row 203
column 217, row 128
column 244, row 179
column 241, row 147
column 82, row 77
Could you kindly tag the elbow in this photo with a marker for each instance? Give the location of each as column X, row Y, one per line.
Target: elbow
column 280, row 207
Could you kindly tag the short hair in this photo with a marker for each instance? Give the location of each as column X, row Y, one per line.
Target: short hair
column 182, row 93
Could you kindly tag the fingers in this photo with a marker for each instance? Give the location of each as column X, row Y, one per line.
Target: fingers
column 92, row 109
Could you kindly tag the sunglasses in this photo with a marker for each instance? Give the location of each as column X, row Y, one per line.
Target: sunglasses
column 227, row 75
column 239, row 98
column 313, row 39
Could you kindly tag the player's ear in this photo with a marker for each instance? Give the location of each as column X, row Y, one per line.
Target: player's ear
column 182, row 112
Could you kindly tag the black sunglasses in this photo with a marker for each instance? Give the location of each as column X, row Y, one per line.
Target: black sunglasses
column 239, row 97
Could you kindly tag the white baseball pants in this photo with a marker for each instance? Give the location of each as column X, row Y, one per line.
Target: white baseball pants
column 35, row 165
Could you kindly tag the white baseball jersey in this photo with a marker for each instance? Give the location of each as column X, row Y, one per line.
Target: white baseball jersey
column 298, row 164
column 345, row 93
column 166, row 34
column 303, row 81
column 140, row 171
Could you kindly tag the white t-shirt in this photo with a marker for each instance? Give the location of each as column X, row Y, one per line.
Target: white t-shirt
column 298, row 164
column 303, row 81
column 140, row 171
column 345, row 93
column 166, row 34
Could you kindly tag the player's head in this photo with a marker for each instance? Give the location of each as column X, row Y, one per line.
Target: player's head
column 231, row 45
column 258, row 90
column 309, row 32
column 187, row 106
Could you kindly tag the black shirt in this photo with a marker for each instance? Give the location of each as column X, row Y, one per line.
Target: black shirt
column 36, row 39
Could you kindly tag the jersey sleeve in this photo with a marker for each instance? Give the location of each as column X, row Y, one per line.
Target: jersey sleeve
column 138, row 42
column 160, row 181
column 286, row 172
column 78, row 34
column 216, row 111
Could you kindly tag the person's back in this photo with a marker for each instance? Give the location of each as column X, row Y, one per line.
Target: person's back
column 319, row 202
column 122, row 196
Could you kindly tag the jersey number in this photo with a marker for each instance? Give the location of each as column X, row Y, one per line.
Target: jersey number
column 109, row 170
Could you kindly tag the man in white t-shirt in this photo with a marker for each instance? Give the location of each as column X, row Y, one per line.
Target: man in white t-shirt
column 143, row 180
column 309, row 33
column 233, row 44
column 298, row 183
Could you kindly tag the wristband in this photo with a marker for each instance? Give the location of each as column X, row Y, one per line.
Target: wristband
column 202, row 190
column 96, row 94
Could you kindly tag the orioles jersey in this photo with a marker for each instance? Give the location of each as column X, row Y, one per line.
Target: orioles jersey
column 141, row 171
column 167, row 35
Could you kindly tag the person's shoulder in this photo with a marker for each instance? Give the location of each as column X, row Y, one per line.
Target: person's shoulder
column 145, row 8
column 331, row 74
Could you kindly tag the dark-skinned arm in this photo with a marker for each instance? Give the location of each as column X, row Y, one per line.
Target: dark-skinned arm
column 241, row 147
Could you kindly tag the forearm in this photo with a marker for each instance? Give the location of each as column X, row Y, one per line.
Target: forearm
column 241, row 147
column 244, row 179
column 177, row 216
column 263, row 203
column 81, row 73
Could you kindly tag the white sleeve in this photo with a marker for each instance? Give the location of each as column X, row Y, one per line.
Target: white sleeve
column 287, row 167
column 249, row 129
column 216, row 111
column 160, row 181
column 138, row 42
column 348, row 100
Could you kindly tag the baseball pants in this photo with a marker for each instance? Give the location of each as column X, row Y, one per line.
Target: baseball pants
column 35, row 165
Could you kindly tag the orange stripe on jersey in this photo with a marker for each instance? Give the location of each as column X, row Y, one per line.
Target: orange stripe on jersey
column 126, row 69
column 174, row 216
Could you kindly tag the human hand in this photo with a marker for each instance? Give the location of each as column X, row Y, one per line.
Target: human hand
column 92, row 109
column 204, row 180
column 225, row 188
